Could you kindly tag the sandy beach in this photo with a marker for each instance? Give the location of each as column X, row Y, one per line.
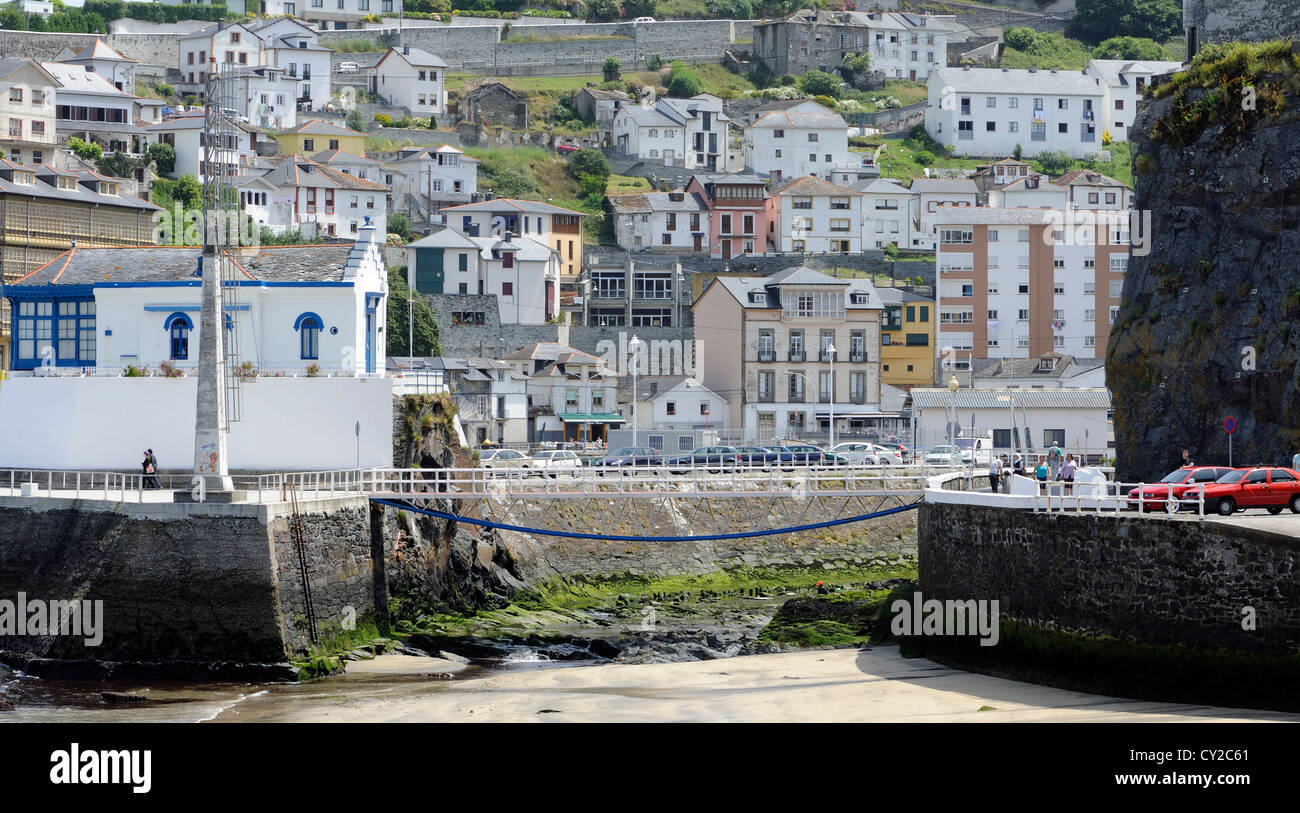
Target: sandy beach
column 817, row 686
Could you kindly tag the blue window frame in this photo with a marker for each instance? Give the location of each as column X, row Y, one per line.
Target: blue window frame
column 178, row 326
column 59, row 328
column 309, row 326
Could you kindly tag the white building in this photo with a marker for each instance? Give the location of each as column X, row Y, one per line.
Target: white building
column 265, row 96
column 521, row 272
column 99, row 58
column 27, row 109
column 1126, row 80
column 904, row 46
column 690, row 133
column 233, row 45
column 412, row 79
column 674, row 222
column 986, row 111
column 572, row 395
column 786, row 144
column 673, row 403
column 185, row 133
column 547, row 223
column 326, row 202
column 1034, row 191
column 1075, row 419
column 820, row 217
column 295, row 48
column 329, row 15
column 89, row 108
column 491, row 399
column 427, row 179
column 295, row 307
column 887, row 208
column 930, row 194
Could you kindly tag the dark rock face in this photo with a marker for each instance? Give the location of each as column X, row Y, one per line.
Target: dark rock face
column 1209, row 325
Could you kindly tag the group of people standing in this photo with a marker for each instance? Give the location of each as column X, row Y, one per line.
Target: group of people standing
column 1056, row 465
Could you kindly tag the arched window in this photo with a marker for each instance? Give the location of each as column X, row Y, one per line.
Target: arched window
column 309, row 327
column 178, row 327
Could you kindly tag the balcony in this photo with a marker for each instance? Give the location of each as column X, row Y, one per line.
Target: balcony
column 797, row 356
column 766, row 355
column 766, row 397
column 795, row 398
column 857, row 357
column 858, row 398
column 827, row 357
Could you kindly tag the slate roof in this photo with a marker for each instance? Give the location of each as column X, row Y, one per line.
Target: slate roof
column 812, row 185
column 535, row 207
column 414, row 56
column 47, row 187
column 656, row 202
column 966, row 398
column 1087, row 177
column 318, row 127
column 800, row 120
column 1018, row 81
column 553, row 351
column 98, row 49
column 951, row 186
column 597, row 93
column 882, row 186
column 1113, row 70
column 742, row 287
column 88, row 266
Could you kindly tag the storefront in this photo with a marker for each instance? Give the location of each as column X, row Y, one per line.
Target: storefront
column 585, row 427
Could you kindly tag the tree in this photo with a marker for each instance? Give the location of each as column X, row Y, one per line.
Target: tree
column 1054, row 163
column 734, row 10
column 820, row 83
column 638, row 8
column 683, row 82
column 85, row 150
column 117, row 165
column 1097, row 20
column 428, row 335
column 603, row 10
column 859, row 63
column 400, row 225
column 163, row 156
column 589, row 162
column 1018, row 152
column 1130, row 48
column 355, row 121
column 1019, row 38
column 612, row 69
column 189, row 192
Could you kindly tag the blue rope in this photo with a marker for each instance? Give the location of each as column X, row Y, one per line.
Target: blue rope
column 623, row 538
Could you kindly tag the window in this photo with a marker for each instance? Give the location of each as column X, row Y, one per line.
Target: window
column 767, row 386
column 1089, row 315
column 990, row 101
column 309, row 144
column 671, row 407
column 993, row 287
column 1013, row 102
column 1116, row 288
column 1119, row 263
column 812, row 138
column 1058, row 287
column 1114, row 313
column 1051, row 436
column 1013, row 127
column 993, row 314
column 1062, row 128
column 1023, row 315
column 15, row 94
column 990, row 126
column 1038, row 131
column 1089, row 289
column 178, row 328
column 956, row 236
column 507, row 289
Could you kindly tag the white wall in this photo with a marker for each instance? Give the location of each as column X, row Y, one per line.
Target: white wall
column 104, row 423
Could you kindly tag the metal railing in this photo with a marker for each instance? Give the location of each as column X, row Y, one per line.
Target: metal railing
column 1054, row 496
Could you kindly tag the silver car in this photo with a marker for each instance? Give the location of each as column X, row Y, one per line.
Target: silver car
column 503, row 459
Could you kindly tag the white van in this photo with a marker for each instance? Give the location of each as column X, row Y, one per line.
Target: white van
column 347, row 67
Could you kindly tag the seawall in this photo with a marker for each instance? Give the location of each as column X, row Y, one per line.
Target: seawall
column 1147, row 581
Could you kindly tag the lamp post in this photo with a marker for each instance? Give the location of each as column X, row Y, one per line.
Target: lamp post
column 830, row 348
column 635, row 347
column 953, row 386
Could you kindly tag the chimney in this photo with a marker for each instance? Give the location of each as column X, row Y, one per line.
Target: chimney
column 406, row 50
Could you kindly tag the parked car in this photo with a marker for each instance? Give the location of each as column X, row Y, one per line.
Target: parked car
column 715, row 458
column 943, row 455
column 860, row 454
column 627, row 456
column 347, row 67
column 904, row 456
column 643, row 20
column 1177, row 483
column 802, row 454
column 758, row 456
column 888, row 456
column 1243, row 489
column 555, row 461
column 567, row 149
column 503, row 459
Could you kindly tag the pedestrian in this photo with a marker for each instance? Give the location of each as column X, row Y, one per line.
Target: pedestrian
column 1295, row 461
column 995, row 471
column 1054, row 456
column 1006, row 475
column 153, row 469
column 1018, row 465
column 1185, row 462
column 1067, row 473
column 822, row 589
column 1041, row 474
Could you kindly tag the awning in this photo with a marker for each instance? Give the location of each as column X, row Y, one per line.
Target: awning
column 853, row 411
column 591, row 417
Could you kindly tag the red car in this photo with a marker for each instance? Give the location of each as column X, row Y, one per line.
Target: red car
column 1265, row 487
column 566, row 149
column 1176, row 484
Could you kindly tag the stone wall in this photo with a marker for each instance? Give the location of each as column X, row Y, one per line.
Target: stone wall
column 1242, row 20
column 1151, row 581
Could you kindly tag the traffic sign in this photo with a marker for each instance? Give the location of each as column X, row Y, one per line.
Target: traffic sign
column 1229, row 425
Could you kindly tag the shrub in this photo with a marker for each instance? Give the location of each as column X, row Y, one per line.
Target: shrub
column 825, row 101
column 86, row 151
column 355, row 121
column 612, row 69
column 163, row 156
column 820, row 83
column 165, row 90
column 1020, row 38
column 1054, row 163
column 313, row 370
column 170, row 370
column 1130, row 48
column 683, row 82
column 858, row 62
column 384, row 119
column 1145, row 164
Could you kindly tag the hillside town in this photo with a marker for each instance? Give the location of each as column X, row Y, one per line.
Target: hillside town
column 890, row 187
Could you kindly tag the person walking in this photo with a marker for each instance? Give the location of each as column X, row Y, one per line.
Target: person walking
column 995, row 471
column 151, row 465
column 1041, row 474
column 1067, row 473
column 1054, row 456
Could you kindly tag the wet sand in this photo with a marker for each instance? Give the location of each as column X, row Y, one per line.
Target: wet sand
column 818, row 686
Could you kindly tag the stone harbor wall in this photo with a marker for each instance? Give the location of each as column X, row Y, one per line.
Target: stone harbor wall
column 1151, row 581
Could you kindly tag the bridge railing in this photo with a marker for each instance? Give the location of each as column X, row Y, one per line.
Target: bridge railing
column 1109, row 496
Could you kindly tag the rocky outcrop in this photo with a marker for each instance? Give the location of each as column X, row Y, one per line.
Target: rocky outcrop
column 1209, row 325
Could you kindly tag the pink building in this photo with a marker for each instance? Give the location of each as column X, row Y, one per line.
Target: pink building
column 742, row 215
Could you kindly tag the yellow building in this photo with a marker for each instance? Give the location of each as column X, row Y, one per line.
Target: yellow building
column 315, row 136
column 906, row 339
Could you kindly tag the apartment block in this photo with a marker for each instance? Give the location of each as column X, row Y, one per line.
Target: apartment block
column 901, row 45
column 1027, row 282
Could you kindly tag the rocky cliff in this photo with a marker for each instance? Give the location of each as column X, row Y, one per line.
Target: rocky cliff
column 1208, row 326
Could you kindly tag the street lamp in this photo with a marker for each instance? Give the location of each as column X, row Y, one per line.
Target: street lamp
column 830, row 348
column 635, row 347
column 953, row 386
